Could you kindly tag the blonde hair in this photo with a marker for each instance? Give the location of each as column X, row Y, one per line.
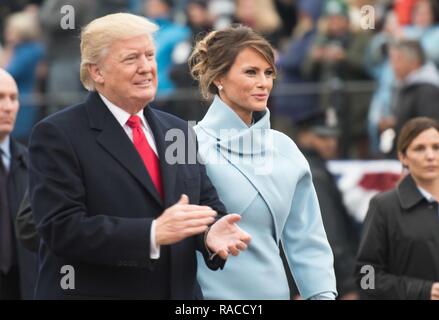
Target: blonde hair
column 214, row 55
column 24, row 25
column 98, row 35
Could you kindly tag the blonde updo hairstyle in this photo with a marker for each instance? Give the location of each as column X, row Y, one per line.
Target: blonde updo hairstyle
column 214, row 55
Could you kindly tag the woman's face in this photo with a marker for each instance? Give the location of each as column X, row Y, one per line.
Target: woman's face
column 423, row 15
column 247, row 85
column 422, row 156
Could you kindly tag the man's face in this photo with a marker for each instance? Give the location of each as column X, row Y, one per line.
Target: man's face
column 156, row 9
column 401, row 64
column 8, row 104
column 127, row 75
column 326, row 146
column 337, row 25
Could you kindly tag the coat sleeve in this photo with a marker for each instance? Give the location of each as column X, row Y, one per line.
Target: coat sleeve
column 372, row 260
column 306, row 246
column 58, row 201
column 208, row 197
column 25, row 228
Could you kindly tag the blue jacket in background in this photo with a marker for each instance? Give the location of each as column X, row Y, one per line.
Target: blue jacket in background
column 23, row 68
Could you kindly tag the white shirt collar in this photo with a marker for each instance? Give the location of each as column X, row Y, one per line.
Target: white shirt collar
column 120, row 114
column 5, row 147
column 427, row 195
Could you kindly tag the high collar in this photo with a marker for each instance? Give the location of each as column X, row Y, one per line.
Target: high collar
column 408, row 193
column 221, row 117
column 232, row 133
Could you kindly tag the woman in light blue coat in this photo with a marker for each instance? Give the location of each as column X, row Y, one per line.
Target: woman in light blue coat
column 259, row 173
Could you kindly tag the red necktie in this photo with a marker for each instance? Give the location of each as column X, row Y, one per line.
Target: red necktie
column 145, row 151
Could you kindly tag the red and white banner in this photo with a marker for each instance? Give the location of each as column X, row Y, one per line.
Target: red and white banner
column 360, row 180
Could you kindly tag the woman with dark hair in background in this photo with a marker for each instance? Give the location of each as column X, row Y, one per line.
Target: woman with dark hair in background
column 399, row 251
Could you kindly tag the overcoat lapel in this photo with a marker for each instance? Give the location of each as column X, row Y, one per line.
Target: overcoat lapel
column 114, row 140
column 167, row 170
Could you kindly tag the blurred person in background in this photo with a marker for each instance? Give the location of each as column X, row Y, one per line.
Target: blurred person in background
column 422, row 26
column 223, row 10
column 63, row 86
column 425, row 28
column 400, row 239
column 297, row 106
column 318, row 141
column 187, row 102
column 378, row 65
column 166, row 39
column 9, row 7
column 21, row 56
column 417, row 86
column 261, row 16
column 18, row 266
column 287, row 11
column 336, row 56
column 403, row 10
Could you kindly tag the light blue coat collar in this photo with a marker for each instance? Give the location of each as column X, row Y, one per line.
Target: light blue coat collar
column 250, row 150
column 233, row 134
column 221, row 117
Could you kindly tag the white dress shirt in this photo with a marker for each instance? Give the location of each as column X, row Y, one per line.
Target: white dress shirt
column 427, row 195
column 5, row 153
column 122, row 117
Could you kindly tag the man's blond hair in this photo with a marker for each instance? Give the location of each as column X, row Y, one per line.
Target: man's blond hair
column 98, row 35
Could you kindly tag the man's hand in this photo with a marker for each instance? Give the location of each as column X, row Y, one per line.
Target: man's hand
column 435, row 291
column 182, row 220
column 226, row 237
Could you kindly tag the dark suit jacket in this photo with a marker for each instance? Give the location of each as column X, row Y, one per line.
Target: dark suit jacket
column 16, row 186
column 94, row 202
column 25, row 228
column 339, row 227
column 401, row 242
column 416, row 100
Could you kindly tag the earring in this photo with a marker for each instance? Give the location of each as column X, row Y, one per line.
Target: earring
column 220, row 87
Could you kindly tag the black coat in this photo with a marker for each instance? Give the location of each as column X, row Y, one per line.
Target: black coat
column 401, row 242
column 25, row 228
column 16, row 187
column 93, row 203
column 417, row 100
column 339, row 227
